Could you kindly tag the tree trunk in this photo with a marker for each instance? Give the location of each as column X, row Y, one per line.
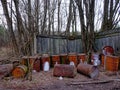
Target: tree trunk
column 105, row 15
column 59, row 3
column 82, row 21
column 44, row 19
column 69, row 19
column 37, row 16
column 10, row 27
column 22, row 35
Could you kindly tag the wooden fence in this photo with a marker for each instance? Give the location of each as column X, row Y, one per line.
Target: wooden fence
column 61, row 44
column 58, row 45
column 109, row 40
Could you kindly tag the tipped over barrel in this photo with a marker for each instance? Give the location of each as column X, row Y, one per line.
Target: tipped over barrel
column 20, row 71
column 64, row 70
column 88, row 70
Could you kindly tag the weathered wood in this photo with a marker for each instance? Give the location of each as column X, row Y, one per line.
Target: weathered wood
column 58, row 44
column 64, row 70
column 67, row 46
column 94, row 82
column 88, row 70
column 91, row 82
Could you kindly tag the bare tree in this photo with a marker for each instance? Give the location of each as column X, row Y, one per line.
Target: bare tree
column 82, row 22
column 70, row 16
column 59, row 3
column 45, row 17
column 9, row 24
column 22, row 35
column 86, row 14
column 111, row 14
column 37, row 7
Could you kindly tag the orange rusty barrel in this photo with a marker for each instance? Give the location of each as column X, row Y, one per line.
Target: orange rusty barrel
column 88, row 70
column 55, row 60
column 33, row 60
column 36, row 64
column 64, row 70
column 112, row 63
column 20, row 71
column 25, row 60
column 72, row 58
column 45, row 59
column 63, row 59
column 81, row 57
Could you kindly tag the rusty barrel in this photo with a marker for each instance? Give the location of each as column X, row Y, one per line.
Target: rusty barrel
column 108, row 50
column 64, row 70
column 112, row 63
column 20, row 71
column 55, row 60
column 63, row 59
column 82, row 57
column 45, row 59
column 88, row 70
column 72, row 57
column 28, row 59
column 34, row 62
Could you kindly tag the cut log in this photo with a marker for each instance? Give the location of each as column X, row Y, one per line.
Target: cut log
column 64, row 70
column 88, row 70
column 5, row 70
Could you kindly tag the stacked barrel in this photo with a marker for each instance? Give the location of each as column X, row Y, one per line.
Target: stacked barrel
column 33, row 62
column 108, row 60
column 63, row 62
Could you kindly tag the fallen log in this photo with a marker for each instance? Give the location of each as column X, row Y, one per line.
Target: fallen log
column 5, row 70
column 88, row 70
column 64, row 70
column 94, row 82
column 91, row 82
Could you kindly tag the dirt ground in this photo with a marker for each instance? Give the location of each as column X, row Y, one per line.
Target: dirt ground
column 46, row 81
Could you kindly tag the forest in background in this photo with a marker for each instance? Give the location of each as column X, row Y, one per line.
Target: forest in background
column 27, row 18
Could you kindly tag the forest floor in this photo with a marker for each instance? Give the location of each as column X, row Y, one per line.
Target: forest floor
column 46, row 81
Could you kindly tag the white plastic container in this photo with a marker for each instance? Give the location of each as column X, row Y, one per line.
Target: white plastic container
column 46, row 66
